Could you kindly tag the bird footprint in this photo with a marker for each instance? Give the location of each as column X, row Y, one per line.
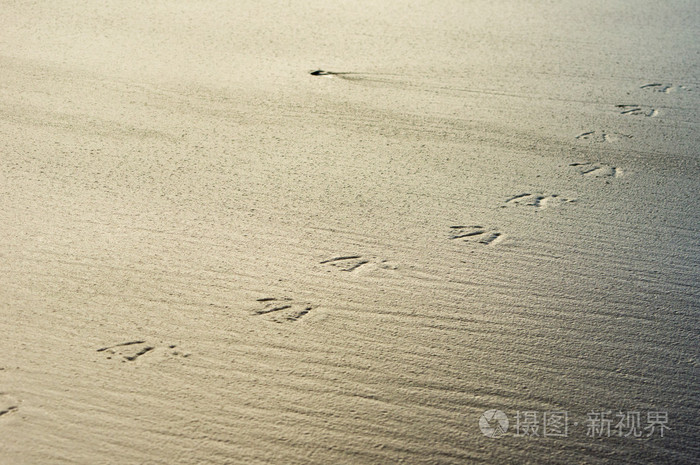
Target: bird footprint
column 476, row 233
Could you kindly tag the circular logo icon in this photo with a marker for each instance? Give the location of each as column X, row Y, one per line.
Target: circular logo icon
column 493, row 423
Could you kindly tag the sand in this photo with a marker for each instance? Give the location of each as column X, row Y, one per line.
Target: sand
column 210, row 255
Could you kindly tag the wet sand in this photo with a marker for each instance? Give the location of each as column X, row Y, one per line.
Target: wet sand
column 211, row 254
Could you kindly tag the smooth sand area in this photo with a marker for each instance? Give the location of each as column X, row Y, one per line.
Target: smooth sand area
column 210, row 255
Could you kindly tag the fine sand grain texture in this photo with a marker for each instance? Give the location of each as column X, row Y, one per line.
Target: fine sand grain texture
column 339, row 232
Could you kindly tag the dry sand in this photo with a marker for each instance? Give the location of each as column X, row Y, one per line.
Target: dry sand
column 209, row 255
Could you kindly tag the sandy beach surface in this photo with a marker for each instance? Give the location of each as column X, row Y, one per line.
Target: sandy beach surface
column 210, row 255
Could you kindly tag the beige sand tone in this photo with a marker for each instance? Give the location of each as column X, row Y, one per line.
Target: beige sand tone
column 208, row 255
